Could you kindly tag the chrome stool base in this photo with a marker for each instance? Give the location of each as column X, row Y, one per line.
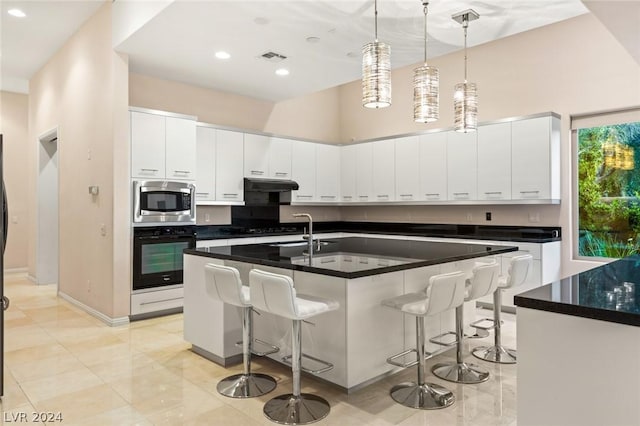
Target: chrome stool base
column 461, row 373
column 288, row 409
column 497, row 354
column 246, row 385
column 428, row 396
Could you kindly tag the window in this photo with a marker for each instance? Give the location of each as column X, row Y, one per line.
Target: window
column 608, row 189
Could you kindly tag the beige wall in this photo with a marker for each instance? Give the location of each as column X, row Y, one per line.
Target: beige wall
column 571, row 67
column 315, row 116
column 82, row 90
column 14, row 127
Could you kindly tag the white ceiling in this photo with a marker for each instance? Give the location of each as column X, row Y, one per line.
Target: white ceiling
column 180, row 41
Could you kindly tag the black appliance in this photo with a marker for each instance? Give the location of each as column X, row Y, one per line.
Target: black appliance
column 3, row 298
column 157, row 255
column 268, row 192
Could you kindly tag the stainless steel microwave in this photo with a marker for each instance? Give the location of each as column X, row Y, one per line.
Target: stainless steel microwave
column 163, row 202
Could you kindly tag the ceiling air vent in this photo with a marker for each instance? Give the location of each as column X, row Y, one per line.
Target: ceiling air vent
column 273, row 57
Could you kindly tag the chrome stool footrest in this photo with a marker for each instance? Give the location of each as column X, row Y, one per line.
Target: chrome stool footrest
column 327, row 365
column 476, row 324
column 392, row 359
column 272, row 348
column 439, row 339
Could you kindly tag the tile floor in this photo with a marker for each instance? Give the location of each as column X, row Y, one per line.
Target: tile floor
column 59, row 359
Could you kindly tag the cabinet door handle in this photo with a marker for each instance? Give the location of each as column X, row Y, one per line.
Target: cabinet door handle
column 460, row 193
column 257, row 172
column 406, row 195
column 363, row 196
column 202, row 193
column 383, row 196
column 327, row 197
column 184, row 172
column 281, row 173
column 304, row 196
column 433, row 195
column 148, row 170
column 347, row 197
column 529, row 192
column 160, row 301
column 494, row 193
column 230, row 194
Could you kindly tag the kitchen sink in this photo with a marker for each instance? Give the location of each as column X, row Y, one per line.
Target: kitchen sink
column 299, row 244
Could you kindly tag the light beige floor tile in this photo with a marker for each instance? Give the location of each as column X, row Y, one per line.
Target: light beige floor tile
column 45, row 367
column 60, row 384
column 33, row 353
column 125, row 415
column 76, row 406
column 25, row 337
column 223, row 416
column 14, row 397
column 50, row 313
column 22, row 415
column 142, row 387
column 124, row 367
column 183, row 402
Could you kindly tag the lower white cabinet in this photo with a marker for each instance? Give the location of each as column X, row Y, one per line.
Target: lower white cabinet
column 157, row 300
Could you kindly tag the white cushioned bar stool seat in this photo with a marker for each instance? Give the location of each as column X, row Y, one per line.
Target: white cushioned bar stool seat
column 517, row 273
column 483, row 281
column 444, row 292
column 276, row 294
column 223, row 284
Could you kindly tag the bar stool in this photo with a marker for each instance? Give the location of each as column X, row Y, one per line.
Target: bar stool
column 517, row 274
column 276, row 294
column 223, row 284
column 444, row 292
column 483, row 281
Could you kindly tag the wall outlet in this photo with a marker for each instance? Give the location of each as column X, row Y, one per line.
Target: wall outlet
column 207, row 217
column 469, row 217
column 487, row 215
column 534, row 217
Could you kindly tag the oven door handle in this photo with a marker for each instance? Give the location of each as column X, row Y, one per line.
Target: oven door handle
column 166, row 237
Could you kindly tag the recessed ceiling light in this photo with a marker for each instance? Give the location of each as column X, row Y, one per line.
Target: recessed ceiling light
column 282, row 71
column 222, row 55
column 17, row 13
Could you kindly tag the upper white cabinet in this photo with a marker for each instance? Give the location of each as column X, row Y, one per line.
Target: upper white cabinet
column 162, row 146
column 327, row 173
column 267, row 157
column 229, row 176
column 384, row 170
column 433, row 166
column 348, row 155
column 535, row 157
column 303, row 170
column 206, row 164
column 462, row 166
column 364, row 172
column 407, row 167
column 494, row 161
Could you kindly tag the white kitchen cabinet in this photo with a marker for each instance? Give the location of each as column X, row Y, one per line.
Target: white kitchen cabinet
column 348, row 155
column 535, row 157
column 229, row 163
column 147, row 145
column 267, row 157
column 364, row 172
column 494, row 161
column 433, row 166
column 206, row 164
column 462, row 166
column 383, row 170
column 180, row 149
column 280, row 158
column 407, row 168
column 303, row 170
column 327, row 173
column 256, row 155
column 162, row 147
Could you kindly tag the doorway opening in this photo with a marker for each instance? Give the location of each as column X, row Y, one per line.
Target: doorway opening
column 47, row 237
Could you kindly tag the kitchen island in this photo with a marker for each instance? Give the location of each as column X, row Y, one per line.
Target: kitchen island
column 579, row 348
column 357, row 272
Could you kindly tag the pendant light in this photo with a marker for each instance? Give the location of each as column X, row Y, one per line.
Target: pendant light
column 426, row 85
column 465, row 96
column 376, row 71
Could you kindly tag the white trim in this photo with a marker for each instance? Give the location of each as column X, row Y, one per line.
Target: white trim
column 32, row 279
column 17, row 271
column 112, row 322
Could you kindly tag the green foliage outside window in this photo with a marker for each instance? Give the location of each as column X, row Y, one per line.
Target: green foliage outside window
column 609, row 190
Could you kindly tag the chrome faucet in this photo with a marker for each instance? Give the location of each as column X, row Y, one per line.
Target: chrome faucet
column 309, row 236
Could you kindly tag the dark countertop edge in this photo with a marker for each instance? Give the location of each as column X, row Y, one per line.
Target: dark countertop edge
column 347, row 275
column 460, row 237
column 578, row 311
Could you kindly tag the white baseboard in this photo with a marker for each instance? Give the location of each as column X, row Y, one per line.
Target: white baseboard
column 17, row 271
column 113, row 322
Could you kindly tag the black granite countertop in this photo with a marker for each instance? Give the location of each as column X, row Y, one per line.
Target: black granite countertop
column 352, row 257
column 523, row 234
column 609, row 293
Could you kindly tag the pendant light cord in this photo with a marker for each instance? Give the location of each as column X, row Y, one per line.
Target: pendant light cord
column 375, row 7
column 425, row 4
column 465, row 24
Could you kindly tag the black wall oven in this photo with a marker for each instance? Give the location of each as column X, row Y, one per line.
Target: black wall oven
column 157, row 255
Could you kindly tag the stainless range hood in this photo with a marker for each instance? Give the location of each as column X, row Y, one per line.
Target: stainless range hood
column 269, row 185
